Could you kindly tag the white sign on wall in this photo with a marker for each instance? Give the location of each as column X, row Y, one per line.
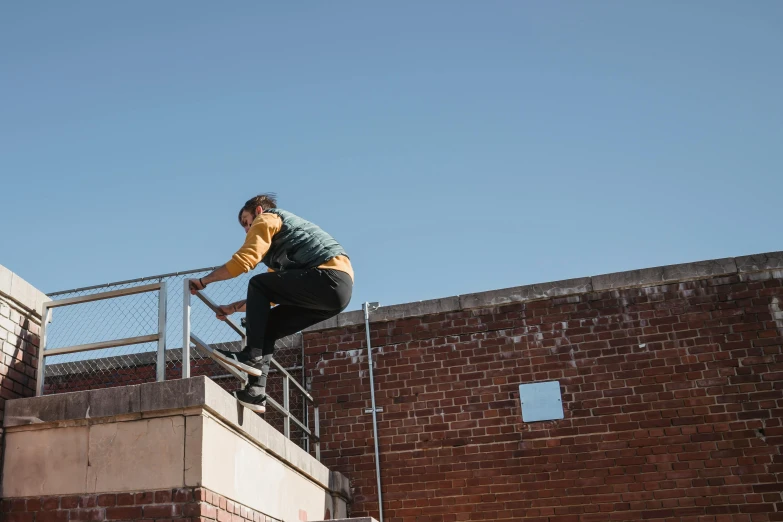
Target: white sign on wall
column 541, row 401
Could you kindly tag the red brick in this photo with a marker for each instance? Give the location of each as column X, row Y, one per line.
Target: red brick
column 88, row 515
column 124, row 513
column 107, row 500
column 160, row 511
column 34, row 504
column 183, row 495
column 125, row 499
column 208, row 511
column 223, row 516
column 162, row 497
column 147, row 497
column 200, row 494
column 20, row 516
column 52, row 516
column 17, row 504
column 70, row 502
column 50, row 503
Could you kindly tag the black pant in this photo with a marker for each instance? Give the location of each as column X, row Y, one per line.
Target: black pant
column 304, row 298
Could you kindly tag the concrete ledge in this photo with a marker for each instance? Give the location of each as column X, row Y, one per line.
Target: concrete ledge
column 173, row 434
column 645, row 276
column 605, row 282
column 150, row 400
column 526, row 293
column 700, row 269
column 21, row 292
column 340, row 485
column 760, row 262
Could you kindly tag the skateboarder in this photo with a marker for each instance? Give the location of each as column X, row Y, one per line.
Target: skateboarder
column 310, row 279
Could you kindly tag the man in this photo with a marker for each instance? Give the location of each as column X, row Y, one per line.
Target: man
column 310, row 279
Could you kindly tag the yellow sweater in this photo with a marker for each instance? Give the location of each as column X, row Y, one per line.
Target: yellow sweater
column 257, row 242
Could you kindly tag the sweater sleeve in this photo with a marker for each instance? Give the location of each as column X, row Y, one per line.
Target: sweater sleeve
column 256, row 245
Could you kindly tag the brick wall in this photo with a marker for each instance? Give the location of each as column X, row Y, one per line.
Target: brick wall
column 19, row 331
column 70, row 377
column 180, row 505
column 20, row 325
column 672, row 391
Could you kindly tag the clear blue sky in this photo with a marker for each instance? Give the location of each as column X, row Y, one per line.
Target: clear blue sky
column 451, row 146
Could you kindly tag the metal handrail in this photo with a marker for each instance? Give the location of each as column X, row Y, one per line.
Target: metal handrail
column 207, row 348
column 160, row 337
column 284, row 409
column 131, row 281
column 215, row 308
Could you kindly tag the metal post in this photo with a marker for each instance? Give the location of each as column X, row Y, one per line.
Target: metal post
column 186, row 332
column 305, row 410
column 161, row 361
column 40, row 374
column 367, row 307
column 317, row 434
column 287, row 420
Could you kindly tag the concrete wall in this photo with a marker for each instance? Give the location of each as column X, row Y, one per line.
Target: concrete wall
column 20, row 324
column 162, row 436
column 672, row 386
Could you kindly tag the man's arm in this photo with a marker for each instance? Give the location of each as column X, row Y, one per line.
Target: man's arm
column 256, row 244
column 226, row 310
column 221, row 273
column 239, row 306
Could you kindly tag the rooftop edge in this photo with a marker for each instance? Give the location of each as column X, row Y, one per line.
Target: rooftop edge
column 614, row 281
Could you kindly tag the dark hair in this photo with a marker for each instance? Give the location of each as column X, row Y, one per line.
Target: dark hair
column 265, row 201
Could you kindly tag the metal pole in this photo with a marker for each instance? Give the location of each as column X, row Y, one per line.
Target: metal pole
column 305, row 410
column 317, row 434
column 161, row 361
column 286, row 405
column 367, row 307
column 186, row 332
column 40, row 375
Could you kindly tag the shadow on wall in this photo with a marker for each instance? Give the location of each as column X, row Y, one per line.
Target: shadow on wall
column 18, row 358
column 18, row 372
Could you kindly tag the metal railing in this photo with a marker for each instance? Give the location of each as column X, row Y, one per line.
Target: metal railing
column 136, row 315
column 159, row 337
column 97, row 319
column 284, row 409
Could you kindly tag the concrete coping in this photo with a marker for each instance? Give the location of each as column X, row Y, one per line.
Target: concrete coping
column 21, row 292
column 606, row 282
column 172, row 397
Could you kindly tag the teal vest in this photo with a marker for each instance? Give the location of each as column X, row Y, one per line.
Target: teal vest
column 300, row 244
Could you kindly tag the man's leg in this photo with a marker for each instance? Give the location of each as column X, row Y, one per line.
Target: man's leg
column 284, row 320
column 304, row 297
column 314, row 294
column 309, row 296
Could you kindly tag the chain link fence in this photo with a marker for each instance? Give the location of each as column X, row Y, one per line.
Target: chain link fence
column 137, row 315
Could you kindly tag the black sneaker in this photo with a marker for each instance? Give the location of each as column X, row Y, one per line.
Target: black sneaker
column 251, row 402
column 241, row 360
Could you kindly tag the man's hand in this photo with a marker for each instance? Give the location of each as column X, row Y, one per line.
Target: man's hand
column 196, row 285
column 224, row 310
